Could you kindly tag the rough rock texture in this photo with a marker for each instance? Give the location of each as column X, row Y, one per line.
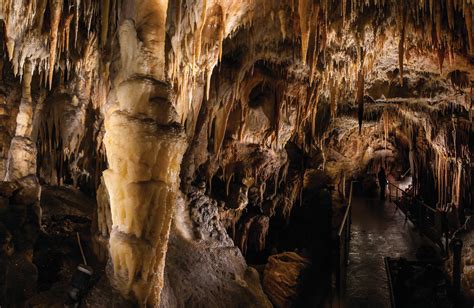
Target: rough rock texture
column 204, row 214
column 209, row 274
column 20, row 218
column 66, row 211
column 282, row 278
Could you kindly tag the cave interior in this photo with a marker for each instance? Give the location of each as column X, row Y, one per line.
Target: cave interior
column 254, row 153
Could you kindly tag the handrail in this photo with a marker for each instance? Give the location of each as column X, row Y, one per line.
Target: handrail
column 406, row 193
column 420, row 215
column 405, row 174
column 342, row 246
column 346, row 214
column 350, row 192
column 393, row 185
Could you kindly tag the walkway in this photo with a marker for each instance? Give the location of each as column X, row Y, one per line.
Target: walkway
column 378, row 231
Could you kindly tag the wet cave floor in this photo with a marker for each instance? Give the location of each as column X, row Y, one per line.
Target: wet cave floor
column 378, row 230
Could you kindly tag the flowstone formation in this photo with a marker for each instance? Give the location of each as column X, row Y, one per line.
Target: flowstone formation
column 216, row 134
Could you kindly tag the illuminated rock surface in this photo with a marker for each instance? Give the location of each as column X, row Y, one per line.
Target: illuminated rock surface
column 216, row 134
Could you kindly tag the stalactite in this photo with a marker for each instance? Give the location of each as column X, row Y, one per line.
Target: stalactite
column 450, row 13
column 55, row 11
column 402, row 29
column 469, row 26
column 221, row 34
column 457, row 176
column 314, row 113
column 76, row 32
column 441, row 52
column 198, row 38
column 65, row 36
column 220, row 126
column 454, row 134
column 386, row 126
column 228, row 181
column 333, row 86
column 277, row 115
column 343, row 12
column 442, row 179
column 471, row 99
column 315, row 55
column 360, row 93
column 305, row 10
column 208, row 81
column 105, row 12
column 282, row 18
column 438, row 23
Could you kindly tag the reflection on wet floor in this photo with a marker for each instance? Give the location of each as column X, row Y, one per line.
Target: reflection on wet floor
column 378, row 231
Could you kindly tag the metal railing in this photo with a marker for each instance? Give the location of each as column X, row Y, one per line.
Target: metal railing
column 396, row 194
column 343, row 245
column 428, row 220
column 431, row 223
column 401, row 198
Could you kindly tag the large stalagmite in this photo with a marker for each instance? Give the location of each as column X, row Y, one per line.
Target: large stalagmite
column 145, row 145
column 22, row 155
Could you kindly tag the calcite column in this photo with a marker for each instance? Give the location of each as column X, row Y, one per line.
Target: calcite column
column 22, row 154
column 144, row 145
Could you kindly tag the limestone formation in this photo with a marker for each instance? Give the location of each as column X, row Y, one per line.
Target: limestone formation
column 212, row 135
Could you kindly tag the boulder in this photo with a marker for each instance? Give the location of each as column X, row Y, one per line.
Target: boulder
column 7, row 189
column 281, row 278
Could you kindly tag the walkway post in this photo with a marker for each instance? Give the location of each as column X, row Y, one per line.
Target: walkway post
column 338, row 266
column 457, row 256
column 349, row 228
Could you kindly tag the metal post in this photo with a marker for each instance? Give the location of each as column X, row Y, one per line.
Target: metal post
column 350, row 223
column 342, row 255
column 338, row 266
column 457, row 258
column 347, row 239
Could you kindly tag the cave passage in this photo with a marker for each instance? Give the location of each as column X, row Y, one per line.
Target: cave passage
column 379, row 230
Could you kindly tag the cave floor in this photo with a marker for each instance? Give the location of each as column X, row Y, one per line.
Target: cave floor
column 378, row 231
